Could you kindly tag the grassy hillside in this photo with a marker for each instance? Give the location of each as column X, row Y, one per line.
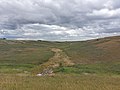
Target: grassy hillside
column 95, row 51
column 29, row 54
column 15, row 56
column 94, row 63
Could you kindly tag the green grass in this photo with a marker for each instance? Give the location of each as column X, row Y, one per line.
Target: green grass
column 99, row 69
column 17, row 56
column 96, row 68
column 21, row 56
column 16, row 68
column 28, row 54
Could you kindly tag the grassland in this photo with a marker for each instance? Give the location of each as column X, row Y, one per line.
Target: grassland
column 59, row 82
column 86, row 65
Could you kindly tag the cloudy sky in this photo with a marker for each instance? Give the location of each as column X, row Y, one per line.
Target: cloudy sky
column 59, row 19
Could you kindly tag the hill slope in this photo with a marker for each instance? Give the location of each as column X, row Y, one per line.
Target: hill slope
column 95, row 51
column 86, row 65
column 20, row 56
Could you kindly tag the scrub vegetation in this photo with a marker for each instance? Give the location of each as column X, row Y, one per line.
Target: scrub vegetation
column 85, row 65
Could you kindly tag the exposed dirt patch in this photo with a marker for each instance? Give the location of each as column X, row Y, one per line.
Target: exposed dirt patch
column 59, row 59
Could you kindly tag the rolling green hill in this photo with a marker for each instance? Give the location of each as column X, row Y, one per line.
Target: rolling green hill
column 29, row 54
column 71, row 63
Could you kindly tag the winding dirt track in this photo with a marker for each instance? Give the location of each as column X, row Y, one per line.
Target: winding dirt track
column 59, row 59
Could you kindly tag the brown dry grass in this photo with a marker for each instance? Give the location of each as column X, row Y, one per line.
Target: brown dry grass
column 59, row 82
column 92, row 73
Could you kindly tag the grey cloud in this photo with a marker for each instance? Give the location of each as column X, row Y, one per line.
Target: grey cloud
column 73, row 19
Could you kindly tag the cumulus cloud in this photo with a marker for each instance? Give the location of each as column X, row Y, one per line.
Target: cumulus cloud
column 105, row 13
column 59, row 19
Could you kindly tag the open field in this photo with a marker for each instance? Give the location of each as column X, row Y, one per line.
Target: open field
column 59, row 82
column 86, row 65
